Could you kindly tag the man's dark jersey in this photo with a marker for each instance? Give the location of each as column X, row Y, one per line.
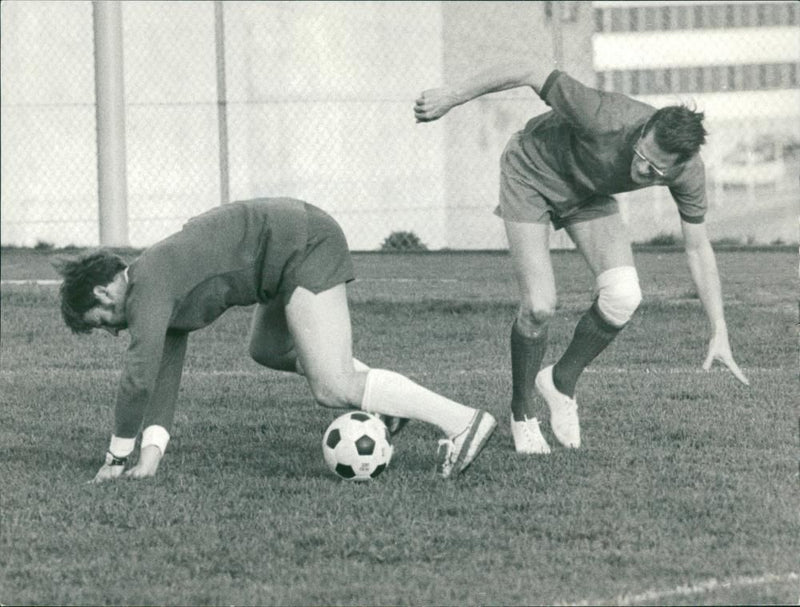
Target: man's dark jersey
column 584, row 146
column 235, row 255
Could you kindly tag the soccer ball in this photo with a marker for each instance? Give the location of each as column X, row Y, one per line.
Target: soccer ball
column 356, row 446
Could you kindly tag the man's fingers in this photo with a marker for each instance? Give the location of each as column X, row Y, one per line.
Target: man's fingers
column 737, row 372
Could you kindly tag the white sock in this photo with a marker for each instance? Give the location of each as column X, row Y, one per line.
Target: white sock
column 390, row 393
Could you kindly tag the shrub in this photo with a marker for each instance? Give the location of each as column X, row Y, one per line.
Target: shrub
column 403, row 241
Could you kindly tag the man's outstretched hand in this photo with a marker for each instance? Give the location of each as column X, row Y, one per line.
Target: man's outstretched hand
column 720, row 349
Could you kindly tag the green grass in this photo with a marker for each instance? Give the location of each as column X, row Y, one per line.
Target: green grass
column 684, row 476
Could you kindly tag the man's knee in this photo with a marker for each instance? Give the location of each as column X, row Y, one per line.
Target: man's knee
column 331, row 394
column 533, row 316
column 618, row 294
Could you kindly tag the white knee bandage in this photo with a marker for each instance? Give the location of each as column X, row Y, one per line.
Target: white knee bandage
column 618, row 294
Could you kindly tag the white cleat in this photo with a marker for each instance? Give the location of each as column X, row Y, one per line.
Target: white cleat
column 457, row 453
column 528, row 437
column 563, row 410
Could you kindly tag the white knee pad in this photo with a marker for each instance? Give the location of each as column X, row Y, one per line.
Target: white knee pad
column 618, row 294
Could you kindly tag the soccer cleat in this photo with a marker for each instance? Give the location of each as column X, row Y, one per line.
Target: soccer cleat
column 393, row 424
column 563, row 410
column 528, row 437
column 457, row 453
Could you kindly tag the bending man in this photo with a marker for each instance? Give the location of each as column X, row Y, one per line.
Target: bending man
column 288, row 257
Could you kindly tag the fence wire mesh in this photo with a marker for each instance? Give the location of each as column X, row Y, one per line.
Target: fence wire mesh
column 318, row 100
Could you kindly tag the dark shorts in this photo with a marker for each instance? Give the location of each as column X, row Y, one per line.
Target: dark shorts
column 326, row 260
column 522, row 202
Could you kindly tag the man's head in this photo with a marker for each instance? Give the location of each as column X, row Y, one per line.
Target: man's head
column 671, row 136
column 93, row 292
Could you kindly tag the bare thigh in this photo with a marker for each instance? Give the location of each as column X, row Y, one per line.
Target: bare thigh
column 320, row 326
column 603, row 242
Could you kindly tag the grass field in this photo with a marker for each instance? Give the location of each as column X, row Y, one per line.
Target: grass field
column 685, row 490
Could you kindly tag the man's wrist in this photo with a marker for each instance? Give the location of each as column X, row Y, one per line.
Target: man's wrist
column 157, row 436
column 114, row 460
column 120, row 447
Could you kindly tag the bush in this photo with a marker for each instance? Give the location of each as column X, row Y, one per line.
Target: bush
column 403, row 241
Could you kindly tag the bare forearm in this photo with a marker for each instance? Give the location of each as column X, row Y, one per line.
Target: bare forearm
column 703, row 268
column 500, row 78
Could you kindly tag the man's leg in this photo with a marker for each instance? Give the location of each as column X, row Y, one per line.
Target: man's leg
column 320, row 326
column 271, row 343
column 604, row 244
column 530, row 256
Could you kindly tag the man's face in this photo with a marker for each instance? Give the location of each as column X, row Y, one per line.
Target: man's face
column 109, row 313
column 108, row 317
column 650, row 163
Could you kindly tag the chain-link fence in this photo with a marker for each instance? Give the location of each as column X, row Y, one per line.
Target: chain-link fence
column 314, row 100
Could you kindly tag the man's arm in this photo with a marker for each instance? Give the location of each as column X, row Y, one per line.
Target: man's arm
column 161, row 409
column 435, row 103
column 703, row 267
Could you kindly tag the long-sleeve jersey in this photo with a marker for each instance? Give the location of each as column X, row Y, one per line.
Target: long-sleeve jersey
column 584, row 146
column 234, row 255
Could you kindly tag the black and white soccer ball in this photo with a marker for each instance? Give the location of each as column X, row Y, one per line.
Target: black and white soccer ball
column 356, row 446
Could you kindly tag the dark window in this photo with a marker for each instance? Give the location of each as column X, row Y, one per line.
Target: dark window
column 683, row 80
column 792, row 75
column 666, row 17
column 667, row 82
column 601, row 81
column 716, row 16
column 730, row 78
column 617, row 20
column 715, row 77
column 649, row 84
column 598, row 20
column 761, row 14
column 698, row 83
column 731, row 14
column 792, row 10
column 616, row 78
column 762, row 76
column 635, row 82
column 681, row 17
column 699, row 16
column 748, row 15
column 650, row 18
column 633, row 20
column 749, row 77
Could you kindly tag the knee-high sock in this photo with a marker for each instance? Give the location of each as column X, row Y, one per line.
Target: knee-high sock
column 390, row 393
column 592, row 335
column 526, row 358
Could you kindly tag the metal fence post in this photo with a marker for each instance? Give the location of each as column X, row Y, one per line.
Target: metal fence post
column 110, row 104
column 222, row 109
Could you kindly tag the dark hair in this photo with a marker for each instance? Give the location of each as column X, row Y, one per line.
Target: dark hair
column 678, row 130
column 81, row 275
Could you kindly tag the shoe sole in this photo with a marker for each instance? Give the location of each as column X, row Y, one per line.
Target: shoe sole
column 463, row 462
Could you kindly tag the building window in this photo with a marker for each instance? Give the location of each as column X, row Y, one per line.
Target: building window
column 616, row 78
column 617, row 19
column 666, row 17
column 598, row 20
column 633, row 20
column 710, row 15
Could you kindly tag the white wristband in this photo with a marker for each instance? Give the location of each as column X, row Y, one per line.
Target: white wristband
column 155, row 435
column 121, row 447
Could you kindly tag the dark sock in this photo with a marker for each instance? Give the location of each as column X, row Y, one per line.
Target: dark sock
column 592, row 335
column 526, row 358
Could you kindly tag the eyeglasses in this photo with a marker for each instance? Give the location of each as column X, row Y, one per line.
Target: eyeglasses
column 651, row 167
